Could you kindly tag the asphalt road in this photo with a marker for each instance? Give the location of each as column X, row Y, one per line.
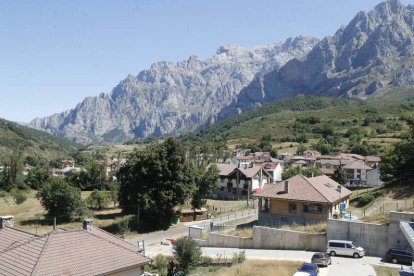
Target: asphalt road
column 341, row 266
column 181, row 230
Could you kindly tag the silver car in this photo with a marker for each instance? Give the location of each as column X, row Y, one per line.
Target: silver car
column 321, row 258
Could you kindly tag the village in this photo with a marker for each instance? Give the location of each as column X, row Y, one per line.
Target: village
column 292, row 202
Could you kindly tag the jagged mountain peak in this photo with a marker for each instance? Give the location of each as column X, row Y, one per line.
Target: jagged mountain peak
column 168, row 97
column 363, row 59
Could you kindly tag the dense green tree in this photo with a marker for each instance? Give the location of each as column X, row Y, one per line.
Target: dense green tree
column 397, row 162
column 61, row 199
column 12, row 172
column 205, row 181
column 37, row 177
column 339, row 175
column 153, row 182
column 113, row 189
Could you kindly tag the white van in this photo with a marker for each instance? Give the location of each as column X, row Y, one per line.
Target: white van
column 348, row 248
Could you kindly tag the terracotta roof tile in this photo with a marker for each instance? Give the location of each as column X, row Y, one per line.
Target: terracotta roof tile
column 12, row 236
column 358, row 165
column 314, row 189
column 75, row 252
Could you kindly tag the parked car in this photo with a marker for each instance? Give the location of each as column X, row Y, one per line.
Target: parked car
column 396, row 255
column 321, row 258
column 347, row 248
column 312, row 269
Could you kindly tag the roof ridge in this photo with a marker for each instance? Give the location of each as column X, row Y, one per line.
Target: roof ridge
column 35, row 267
column 89, row 232
column 20, row 230
column 307, row 180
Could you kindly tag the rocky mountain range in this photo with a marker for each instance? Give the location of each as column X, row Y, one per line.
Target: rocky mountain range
column 171, row 98
column 366, row 58
column 372, row 54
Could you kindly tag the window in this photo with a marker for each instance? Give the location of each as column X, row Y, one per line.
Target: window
column 246, row 186
column 234, row 191
column 229, row 186
column 292, row 207
column 313, row 208
column 349, row 245
column 337, row 244
column 222, row 189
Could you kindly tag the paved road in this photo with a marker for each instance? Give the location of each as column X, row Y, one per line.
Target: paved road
column 182, row 229
column 341, row 266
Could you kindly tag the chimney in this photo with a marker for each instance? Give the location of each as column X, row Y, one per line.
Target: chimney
column 87, row 224
column 6, row 221
column 286, row 186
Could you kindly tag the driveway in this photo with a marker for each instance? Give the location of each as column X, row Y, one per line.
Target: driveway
column 341, row 266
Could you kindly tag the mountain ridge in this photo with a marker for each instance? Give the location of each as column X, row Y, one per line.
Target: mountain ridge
column 170, row 97
column 364, row 59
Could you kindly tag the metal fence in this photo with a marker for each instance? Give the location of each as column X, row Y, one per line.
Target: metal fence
column 383, row 208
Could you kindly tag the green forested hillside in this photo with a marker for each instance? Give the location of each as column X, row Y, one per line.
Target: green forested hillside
column 34, row 143
column 344, row 124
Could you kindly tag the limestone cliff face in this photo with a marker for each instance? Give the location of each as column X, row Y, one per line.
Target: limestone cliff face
column 373, row 53
column 171, row 98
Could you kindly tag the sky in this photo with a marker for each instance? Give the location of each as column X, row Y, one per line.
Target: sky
column 55, row 53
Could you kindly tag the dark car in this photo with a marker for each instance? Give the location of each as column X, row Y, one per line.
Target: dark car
column 396, row 255
column 312, row 269
column 321, row 258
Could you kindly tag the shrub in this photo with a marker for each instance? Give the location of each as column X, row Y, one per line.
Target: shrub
column 187, row 253
column 161, row 264
column 239, row 258
column 98, row 200
column 365, row 200
column 18, row 196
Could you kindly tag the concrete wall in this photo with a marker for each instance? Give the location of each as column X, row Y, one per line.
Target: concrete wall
column 222, row 240
column 371, row 236
column 272, row 238
column 396, row 237
column 269, row 238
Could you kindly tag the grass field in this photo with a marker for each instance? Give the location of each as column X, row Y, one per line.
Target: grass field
column 251, row 267
column 30, row 215
column 386, row 271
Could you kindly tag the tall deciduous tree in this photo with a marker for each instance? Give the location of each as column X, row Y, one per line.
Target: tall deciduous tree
column 397, row 162
column 12, row 173
column 153, row 182
column 205, row 183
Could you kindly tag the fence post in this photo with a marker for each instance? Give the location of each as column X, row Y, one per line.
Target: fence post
column 364, row 212
column 397, row 206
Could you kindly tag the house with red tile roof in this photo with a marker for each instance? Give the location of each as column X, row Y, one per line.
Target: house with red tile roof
column 86, row 251
column 302, row 199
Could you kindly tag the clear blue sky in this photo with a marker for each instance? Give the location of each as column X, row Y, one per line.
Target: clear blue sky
column 55, row 53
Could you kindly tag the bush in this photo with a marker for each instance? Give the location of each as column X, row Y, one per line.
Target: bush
column 187, row 253
column 161, row 264
column 18, row 196
column 98, row 200
column 365, row 200
column 239, row 258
